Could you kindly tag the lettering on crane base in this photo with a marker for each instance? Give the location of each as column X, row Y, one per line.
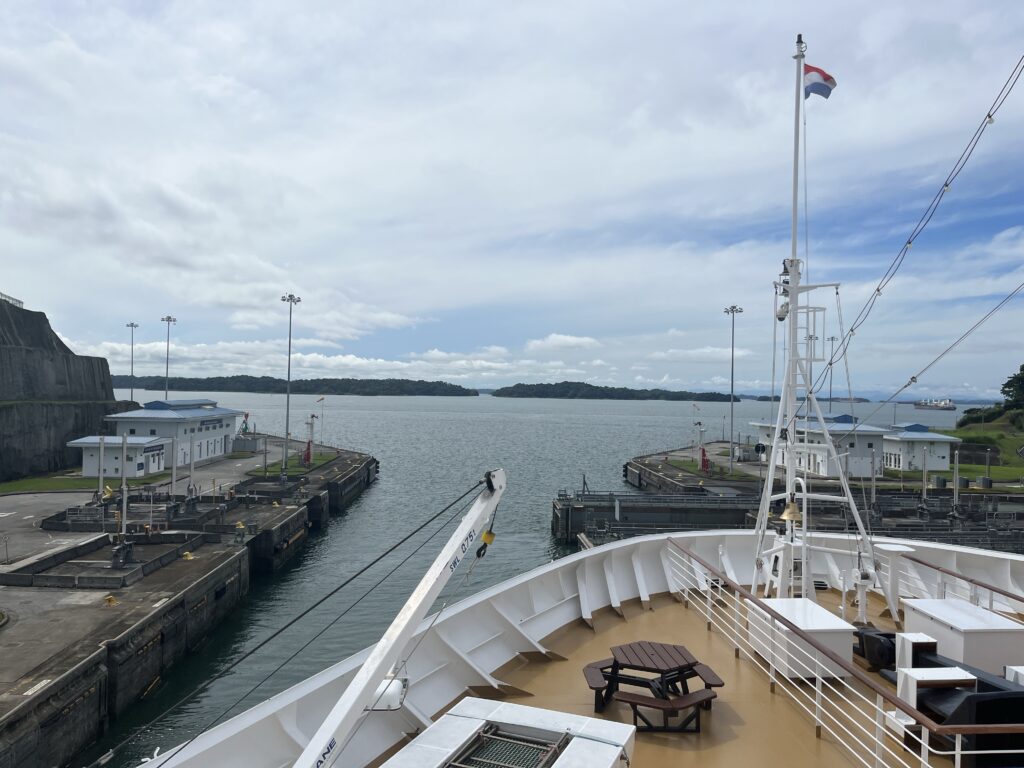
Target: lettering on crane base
column 466, row 544
column 326, row 753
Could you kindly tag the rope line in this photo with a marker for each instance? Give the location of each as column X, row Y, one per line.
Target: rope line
column 926, row 217
column 291, row 622
column 913, row 379
column 932, row 207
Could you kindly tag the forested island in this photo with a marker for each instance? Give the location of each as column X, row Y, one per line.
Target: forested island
column 578, row 390
column 271, row 385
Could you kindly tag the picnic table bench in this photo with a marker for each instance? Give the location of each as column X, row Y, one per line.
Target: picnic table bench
column 671, row 665
column 669, row 708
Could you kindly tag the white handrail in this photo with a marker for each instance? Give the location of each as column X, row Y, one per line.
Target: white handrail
column 855, row 720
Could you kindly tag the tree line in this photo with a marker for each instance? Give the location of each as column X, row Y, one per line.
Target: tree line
column 579, row 390
column 272, row 385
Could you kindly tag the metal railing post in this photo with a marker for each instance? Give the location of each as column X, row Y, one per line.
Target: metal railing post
column 708, row 601
column 958, row 750
column 771, row 654
column 924, row 747
column 736, row 625
column 817, row 694
column 879, row 729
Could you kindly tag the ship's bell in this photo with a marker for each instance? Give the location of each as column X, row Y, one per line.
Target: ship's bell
column 792, row 513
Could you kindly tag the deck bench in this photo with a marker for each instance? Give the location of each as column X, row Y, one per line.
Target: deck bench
column 668, row 708
column 597, row 682
column 710, row 679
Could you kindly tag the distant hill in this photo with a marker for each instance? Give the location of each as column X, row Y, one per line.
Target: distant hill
column 269, row 384
column 578, row 390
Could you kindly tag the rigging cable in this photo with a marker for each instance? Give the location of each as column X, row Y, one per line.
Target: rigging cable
column 866, row 519
column 291, row 622
column 807, row 236
column 913, row 379
column 929, row 212
column 775, row 349
column 402, row 664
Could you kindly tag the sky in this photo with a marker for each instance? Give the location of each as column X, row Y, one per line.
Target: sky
column 487, row 193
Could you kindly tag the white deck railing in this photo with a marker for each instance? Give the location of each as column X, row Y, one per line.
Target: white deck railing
column 865, row 719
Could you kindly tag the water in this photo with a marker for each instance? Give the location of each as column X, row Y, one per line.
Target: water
column 430, row 449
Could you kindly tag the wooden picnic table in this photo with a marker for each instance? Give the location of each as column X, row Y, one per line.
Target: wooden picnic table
column 672, row 664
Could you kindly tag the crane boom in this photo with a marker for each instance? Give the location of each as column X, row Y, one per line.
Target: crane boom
column 329, row 741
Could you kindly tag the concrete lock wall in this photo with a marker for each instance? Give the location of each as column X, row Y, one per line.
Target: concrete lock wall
column 49, row 728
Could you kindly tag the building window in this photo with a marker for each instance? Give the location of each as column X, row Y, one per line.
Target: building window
column 192, row 430
column 131, row 431
column 852, row 445
column 152, row 431
column 871, row 445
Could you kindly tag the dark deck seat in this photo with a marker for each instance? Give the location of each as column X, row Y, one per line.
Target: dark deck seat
column 708, row 675
column 710, row 679
column 1002, row 707
column 668, row 708
column 596, row 681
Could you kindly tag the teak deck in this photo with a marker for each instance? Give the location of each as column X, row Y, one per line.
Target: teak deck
column 748, row 724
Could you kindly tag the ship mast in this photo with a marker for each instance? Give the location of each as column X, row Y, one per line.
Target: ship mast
column 798, row 395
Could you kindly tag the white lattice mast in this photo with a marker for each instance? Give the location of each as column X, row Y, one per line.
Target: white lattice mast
column 798, row 390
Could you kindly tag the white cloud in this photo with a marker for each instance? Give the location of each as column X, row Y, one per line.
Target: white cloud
column 467, row 174
column 557, row 341
column 699, row 354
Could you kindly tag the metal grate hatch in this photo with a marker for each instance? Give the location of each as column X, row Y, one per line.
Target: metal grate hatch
column 493, row 748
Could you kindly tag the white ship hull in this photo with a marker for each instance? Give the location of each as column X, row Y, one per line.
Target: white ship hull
column 477, row 636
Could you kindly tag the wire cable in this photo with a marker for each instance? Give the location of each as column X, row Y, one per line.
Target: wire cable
column 402, row 664
column 926, row 217
column 913, row 379
column 291, row 622
column 807, row 235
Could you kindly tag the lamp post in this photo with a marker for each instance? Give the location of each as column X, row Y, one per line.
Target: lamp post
column 831, row 361
column 291, row 299
column 732, row 310
column 167, row 362
column 321, row 401
column 133, row 326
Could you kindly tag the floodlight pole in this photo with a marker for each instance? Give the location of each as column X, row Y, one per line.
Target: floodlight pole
column 732, row 310
column 167, row 361
column 291, row 299
column 133, row 326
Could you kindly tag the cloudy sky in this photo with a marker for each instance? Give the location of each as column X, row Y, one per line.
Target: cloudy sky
column 490, row 192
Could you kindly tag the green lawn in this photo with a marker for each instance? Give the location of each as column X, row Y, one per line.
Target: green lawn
column 1001, row 474
column 61, row 481
column 1000, row 434
column 691, row 465
column 295, row 466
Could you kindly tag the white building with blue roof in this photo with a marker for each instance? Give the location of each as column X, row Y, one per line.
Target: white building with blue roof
column 143, row 455
column 200, row 426
column 859, row 447
column 913, row 447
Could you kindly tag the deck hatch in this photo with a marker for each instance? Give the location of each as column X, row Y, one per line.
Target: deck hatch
column 493, row 748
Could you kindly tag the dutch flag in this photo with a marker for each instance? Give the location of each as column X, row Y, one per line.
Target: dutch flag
column 817, row 81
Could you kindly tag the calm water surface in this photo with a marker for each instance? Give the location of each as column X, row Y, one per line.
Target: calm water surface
column 431, row 449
